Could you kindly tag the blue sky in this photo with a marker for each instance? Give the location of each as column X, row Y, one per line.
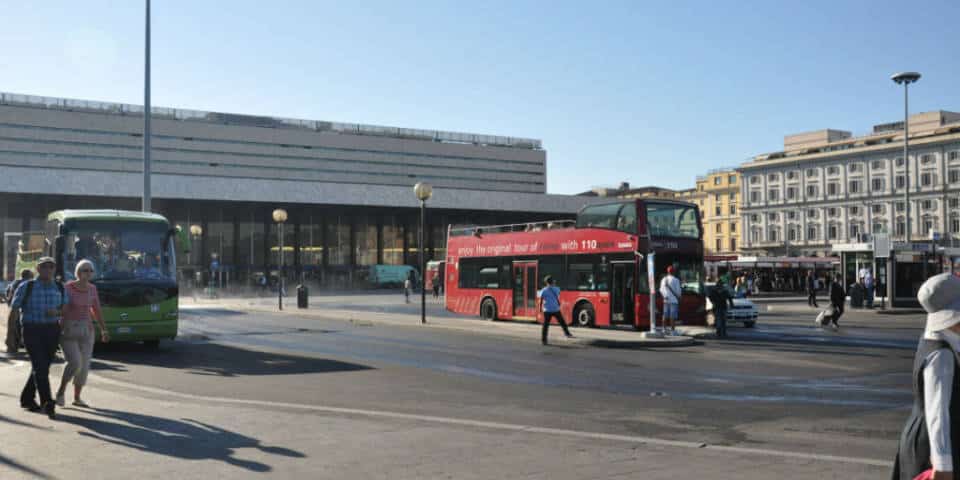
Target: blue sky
column 652, row 93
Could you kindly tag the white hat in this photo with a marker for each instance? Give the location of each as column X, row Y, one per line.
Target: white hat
column 940, row 297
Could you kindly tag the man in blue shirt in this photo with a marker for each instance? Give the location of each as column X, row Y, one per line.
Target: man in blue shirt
column 550, row 300
column 41, row 304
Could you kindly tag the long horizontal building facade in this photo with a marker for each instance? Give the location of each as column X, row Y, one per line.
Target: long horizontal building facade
column 828, row 187
column 347, row 187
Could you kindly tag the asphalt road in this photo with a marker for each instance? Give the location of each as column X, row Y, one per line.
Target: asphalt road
column 781, row 387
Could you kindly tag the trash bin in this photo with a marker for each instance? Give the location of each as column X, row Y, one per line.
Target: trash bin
column 857, row 293
column 302, row 293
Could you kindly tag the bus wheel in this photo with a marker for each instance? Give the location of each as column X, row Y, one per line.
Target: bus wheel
column 488, row 309
column 583, row 315
column 152, row 344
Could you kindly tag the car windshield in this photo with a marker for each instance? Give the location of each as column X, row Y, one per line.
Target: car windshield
column 120, row 250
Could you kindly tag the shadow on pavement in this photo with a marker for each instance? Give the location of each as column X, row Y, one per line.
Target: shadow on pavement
column 6, row 461
column 185, row 439
column 216, row 360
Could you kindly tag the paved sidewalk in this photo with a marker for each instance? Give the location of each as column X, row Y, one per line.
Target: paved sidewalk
column 143, row 433
column 598, row 337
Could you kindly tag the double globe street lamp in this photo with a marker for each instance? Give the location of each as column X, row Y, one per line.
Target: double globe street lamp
column 423, row 191
column 280, row 217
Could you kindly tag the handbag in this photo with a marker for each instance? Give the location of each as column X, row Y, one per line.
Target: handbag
column 924, row 475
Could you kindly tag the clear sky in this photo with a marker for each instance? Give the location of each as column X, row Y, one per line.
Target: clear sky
column 652, row 93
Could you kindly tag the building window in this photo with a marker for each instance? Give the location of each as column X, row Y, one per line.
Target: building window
column 774, row 235
column 717, row 210
column 732, row 179
column 773, row 217
column 878, row 228
column 955, row 203
column 812, row 172
column 854, row 167
column 877, row 208
column 755, row 180
column 754, row 218
column 733, row 244
column 811, row 190
column 927, row 225
column 719, row 244
column 719, row 228
column 901, row 230
column 792, row 233
column 954, row 176
column 833, row 170
column 791, row 175
column 854, row 210
column 773, row 195
column 733, row 209
column 773, row 177
column 854, row 230
column 927, row 205
column 926, row 159
column 877, row 184
column 811, row 233
column 832, row 232
column 901, row 182
column 927, row 179
column 754, row 196
column 854, row 186
column 955, row 224
column 733, row 227
column 717, row 180
column 833, row 212
column 811, row 213
column 732, row 196
column 791, row 215
column 755, row 235
column 791, row 193
column 900, row 206
column 899, row 162
column 876, row 164
column 833, row 188
column 954, row 155
column 716, row 198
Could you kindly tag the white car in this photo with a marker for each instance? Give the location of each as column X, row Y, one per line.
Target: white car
column 743, row 310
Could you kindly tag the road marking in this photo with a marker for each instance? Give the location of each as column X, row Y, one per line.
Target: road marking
column 502, row 426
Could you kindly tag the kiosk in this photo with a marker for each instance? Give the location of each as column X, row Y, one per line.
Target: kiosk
column 898, row 268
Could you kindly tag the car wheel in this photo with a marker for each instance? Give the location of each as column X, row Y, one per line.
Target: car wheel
column 583, row 315
column 488, row 309
column 749, row 324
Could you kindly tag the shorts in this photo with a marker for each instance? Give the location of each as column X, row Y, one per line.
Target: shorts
column 671, row 310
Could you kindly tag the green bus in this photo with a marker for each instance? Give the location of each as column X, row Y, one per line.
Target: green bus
column 136, row 273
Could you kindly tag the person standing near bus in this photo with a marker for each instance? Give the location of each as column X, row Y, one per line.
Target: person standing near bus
column 77, row 334
column 41, row 303
column 13, row 317
column 550, row 305
column 670, row 291
column 811, row 290
column 435, row 283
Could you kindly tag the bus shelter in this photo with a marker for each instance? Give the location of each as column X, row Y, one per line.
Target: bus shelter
column 785, row 274
column 898, row 271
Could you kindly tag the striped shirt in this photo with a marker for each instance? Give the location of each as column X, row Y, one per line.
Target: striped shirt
column 43, row 297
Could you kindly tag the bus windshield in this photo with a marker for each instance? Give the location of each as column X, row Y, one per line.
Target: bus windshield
column 120, row 250
column 672, row 220
column 615, row 216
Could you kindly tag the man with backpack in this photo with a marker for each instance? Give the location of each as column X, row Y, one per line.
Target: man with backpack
column 40, row 302
column 13, row 317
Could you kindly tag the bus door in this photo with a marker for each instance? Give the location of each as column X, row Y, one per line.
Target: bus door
column 525, row 290
column 622, row 291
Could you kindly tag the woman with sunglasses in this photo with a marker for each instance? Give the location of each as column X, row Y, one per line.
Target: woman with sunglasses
column 77, row 335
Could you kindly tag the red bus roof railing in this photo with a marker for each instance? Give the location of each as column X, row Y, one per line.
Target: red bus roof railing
column 513, row 227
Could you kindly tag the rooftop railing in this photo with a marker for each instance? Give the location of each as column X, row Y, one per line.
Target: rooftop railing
column 457, row 231
column 269, row 122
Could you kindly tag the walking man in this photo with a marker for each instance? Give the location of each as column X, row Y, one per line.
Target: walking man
column 13, row 317
column 41, row 304
column 550, row 304
column 867, row 277
column 811, row 290
column 435, row 283
column 720, row 298
column 838, row 296
column 670, row 291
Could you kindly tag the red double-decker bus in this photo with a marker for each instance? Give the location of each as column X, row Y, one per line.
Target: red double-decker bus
column 599, row 262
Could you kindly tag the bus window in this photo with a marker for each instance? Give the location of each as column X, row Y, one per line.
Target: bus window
column 489, row 277
column 603, row 276
column 627, row 219
column 580, row 277
column 672, row 220
column 599, row 216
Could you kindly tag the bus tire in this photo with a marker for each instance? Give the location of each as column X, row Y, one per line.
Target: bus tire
column 488, row 309
column 153, row 344
column 583, row 315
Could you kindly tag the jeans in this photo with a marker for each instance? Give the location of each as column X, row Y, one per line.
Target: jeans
column 720, row 318
column 671, row 311
column 41, row 341
column 838, row 307
column 812, row 298
column 869, row 298
column 546, row 325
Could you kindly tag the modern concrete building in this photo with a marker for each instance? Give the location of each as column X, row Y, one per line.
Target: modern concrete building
column 624, row 190
column 347, row 187
column 718, row 195
column 828, row 187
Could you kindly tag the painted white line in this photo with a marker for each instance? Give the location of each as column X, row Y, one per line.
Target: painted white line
column 501, row 426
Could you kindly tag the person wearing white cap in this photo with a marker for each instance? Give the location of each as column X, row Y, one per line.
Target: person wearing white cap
column 931, row 437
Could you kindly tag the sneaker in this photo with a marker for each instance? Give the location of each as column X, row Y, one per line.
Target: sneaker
column 60, row 400
column 80, row 403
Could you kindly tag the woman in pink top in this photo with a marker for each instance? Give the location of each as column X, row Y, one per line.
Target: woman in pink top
column 77, row 332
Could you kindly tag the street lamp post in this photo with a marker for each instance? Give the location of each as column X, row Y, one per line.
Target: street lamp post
column 147, row 195
column 905, row 79
column 279, row 217
column 423, row 192
column 195, row 232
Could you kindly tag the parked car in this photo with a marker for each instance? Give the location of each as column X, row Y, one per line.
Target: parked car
column 743, row 310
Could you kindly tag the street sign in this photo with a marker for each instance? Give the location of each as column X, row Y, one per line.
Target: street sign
column 881, row 245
